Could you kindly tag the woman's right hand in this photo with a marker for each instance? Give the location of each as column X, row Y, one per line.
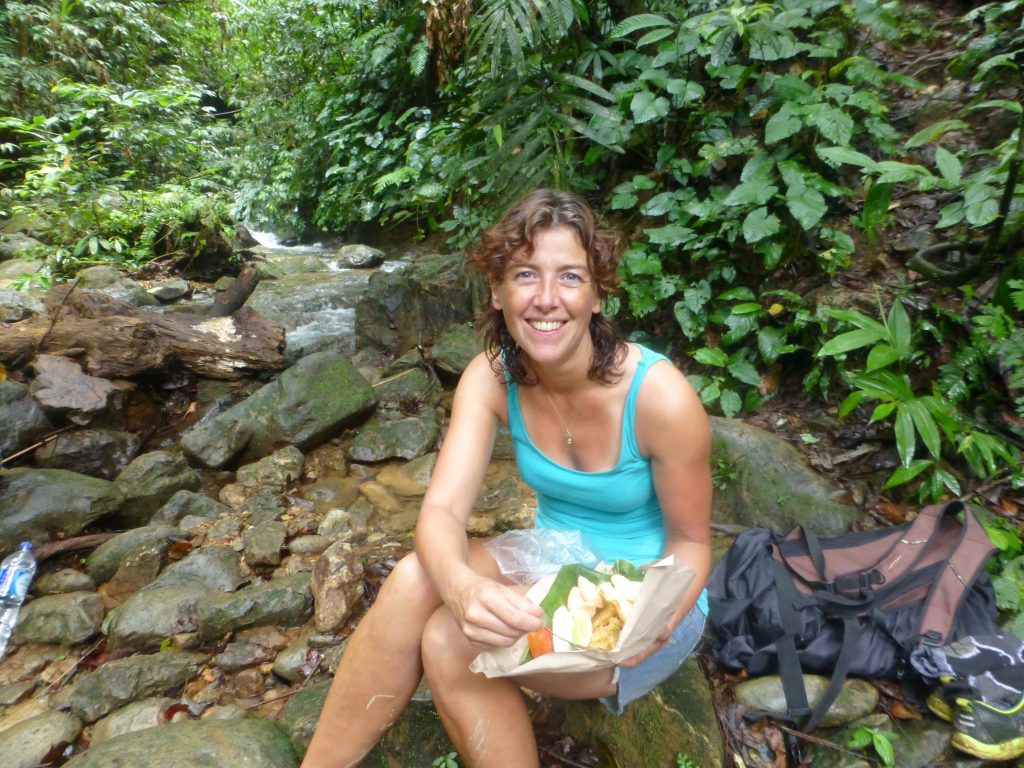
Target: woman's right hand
column 493, row 614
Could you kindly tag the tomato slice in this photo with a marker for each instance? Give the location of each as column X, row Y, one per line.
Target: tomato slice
column 540, row 642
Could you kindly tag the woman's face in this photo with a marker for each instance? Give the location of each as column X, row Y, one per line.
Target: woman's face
column 548, row 297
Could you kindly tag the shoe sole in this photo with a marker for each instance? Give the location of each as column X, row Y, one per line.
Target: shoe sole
column 940, row 707
column 1006, row 750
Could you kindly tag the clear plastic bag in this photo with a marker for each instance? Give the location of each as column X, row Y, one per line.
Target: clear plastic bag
column 526, row 556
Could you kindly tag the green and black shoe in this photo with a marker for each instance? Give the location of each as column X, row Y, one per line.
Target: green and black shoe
column 987, row 732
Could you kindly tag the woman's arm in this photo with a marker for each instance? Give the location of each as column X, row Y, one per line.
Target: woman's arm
column 488, row 612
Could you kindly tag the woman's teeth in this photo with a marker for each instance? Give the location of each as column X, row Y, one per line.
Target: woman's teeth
column 546, row 325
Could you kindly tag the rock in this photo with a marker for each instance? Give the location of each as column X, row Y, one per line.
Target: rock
column 337, row 586
column 381, row 497
column 185, row 503
column 94, row 452
column 60, row 619
column 765, row 694
column 296, row 663
column 413, row 306
column 356, row 256
column 211, row 566
column 136, row 570
column 406, row 391
column 286, row 601
column 123, row 681
column 312, row 544
column 919, row 744
column 24, row 421
column 456, row 347
column 136, row 716
column 14, row 693
column 404, row 438
column 236, row 656
column 409, row 479
column 14, row 271
column 764, row 482
column 343, row 525
column 60, row 386
column 30, row 742
column 170, row 290
column 149, row 482
column 41, row 504
column 110, row 281
column 15, row 306
column 307, row 404
column 63, row 581
column 277, row 472
column 104, row 561
column 331, row 493
column 264, row 542
column 210, row 743
column 677, row 717
column 153, row 614
column 15, row 244
column 243, row 238
column 416, row 739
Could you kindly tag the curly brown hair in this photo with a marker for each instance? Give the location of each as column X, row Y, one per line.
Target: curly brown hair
column 515, row 234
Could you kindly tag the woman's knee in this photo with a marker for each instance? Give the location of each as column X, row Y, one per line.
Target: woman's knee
column 443, row 647
column 410, row 583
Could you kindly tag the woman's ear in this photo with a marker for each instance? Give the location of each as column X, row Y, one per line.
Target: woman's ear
column 495, row 298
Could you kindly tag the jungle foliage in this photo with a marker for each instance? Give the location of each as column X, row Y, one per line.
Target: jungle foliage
column 750, row 150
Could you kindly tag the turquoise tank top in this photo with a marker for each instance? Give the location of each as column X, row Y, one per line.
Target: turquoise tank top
column 618, row 509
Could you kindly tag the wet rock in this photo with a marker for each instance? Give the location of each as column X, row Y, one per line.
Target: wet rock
column 308, row 545
column 29, row 743
column 104, row 561
column 413, row 306
column 236, row 656
column 14, row 270
column 343, row 525
column 765, row 694
column 285, row 601
column 60, row 619
column 357, row 256
column 209, row 743
column 763, row 481
column 337, row 585
column 279, row 264
column 24, row 421
column 94, row 452
column 184, row 503
column 62, row 581
column 136, row 716
column 305, row 405
column 913, row 241
column 14, row 244
column 227, row 528
column 150, row 481
column 123, row 681
column 409, row 479
column 15, row 306
column 274, row 473
column 151, row 615
column 331, row 493
column 15, row 692
column 110, row 281
column 213, row 567
column 918, row 744
column 296, row 663
column 381, row 497
column 403, row 438
column 28, row 661
column 264, row 542
column 38, row 505
column 170, row 290
column 406, row 391
column 247, row 684
column 139, row 568
column 455, row 349
column 60, row 386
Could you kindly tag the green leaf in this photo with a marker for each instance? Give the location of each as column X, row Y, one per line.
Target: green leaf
column 981, row 204
column 782, row 124
column 925, row 424
column 876, row 205
column 671, row 234
column 906, row 474
column 771, row 342
column 934, row 131
column 742, row 370
column 841, row 155
column 846, row 342
column 882, row 411
column 806, row 205
column 711, row 356
column 760, row 224
column 755, row 192
column 658, row 205
column 881, row 356
column 646, row 107
column 833, row 123
column 851, row 402
column 853, row 317
column 747, row 308
column 730, row 403
column 899, row 329
column 948, row 165
column 906, row 440
column 948, row 480
column 636, row 23
column 883, row 747
column 1012, row 106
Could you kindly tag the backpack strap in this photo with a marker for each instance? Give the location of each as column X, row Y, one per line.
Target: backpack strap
column 960, row 570
column 790, row 671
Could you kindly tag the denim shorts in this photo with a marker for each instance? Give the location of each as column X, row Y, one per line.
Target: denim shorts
column 634, row 682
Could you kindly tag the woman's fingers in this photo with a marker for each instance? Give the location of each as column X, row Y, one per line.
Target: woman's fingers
column 497, row 615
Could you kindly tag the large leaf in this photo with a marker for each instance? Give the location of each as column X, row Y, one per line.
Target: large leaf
column 806, row 205
column 636, row 23
column 671, row 234
column 934, row 131
column 840, row 155
column 899, row 329
column 742, row 370
column 948, row 165
column 906, row 440
column 851, row 340
column 782, row 124
column 833, row 123
column 981, row 204
column 760, row 224
column 711, row 356
column 925, row 425
column 755, row 192
column 646, row 107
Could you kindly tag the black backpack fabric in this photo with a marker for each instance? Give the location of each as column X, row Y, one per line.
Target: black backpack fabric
column 856, row 604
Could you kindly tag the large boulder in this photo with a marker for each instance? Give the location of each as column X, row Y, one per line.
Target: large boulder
column 286, row 601
column 104, row 561
column 413, row 306
column 151, row 615
column 60, row 619
column 112, row 282
column 23, row 421
column 307, row 404
column 762, row 481
column 28, row 743
column 94, row 452
column 149, row 482
column 14, row 271
column 41, row 504
column 16, row 244
column 15, row 306
column 241, row 743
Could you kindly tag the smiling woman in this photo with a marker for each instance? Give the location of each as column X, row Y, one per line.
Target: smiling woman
column 630, row 468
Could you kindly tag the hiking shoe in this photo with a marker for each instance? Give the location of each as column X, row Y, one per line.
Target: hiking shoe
column 940, row 706
column 987, row 732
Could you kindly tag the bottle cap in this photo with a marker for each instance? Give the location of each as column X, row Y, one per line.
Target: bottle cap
column 26, row 545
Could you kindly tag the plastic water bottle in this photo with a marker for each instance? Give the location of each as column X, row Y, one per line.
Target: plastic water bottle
column 16, row 572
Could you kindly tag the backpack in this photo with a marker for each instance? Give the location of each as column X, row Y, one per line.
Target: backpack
column 856, row 604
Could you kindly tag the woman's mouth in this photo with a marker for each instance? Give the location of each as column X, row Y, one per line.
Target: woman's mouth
column 546, row 325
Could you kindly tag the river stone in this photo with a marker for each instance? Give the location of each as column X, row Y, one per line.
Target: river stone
column 286, row 601
column 13, row 244
column 308, row 544
column 150, row 481
column 919, row 744
column 15, row 306
column 185, row 503
column 62, row 581
column 343, row 525
column 403, row 438
column 60, row 619
column 61, row 386
column 264, row 542
column 765, row 694
column 358, row 256
column 766, row 483
column 331, row 492
column 415, row 740
column 104, row 561
column 381, row 497
column 153, row 614
column 455, row 349
column 110, row 281
column 236, row 656
column 296, row 663
column 139, row 568
column 274, row 264
column 13, row 693
column 213, row 567
column 94, row 452
column 24, row 422
column 407, row 391
column 29, row 743
column 120, row 682
column 38, row 505
column 136, row 716
column 409, row 479
column 337, row 585
column 210, row 743
column 13, row 270
column 277, row 472
column 170, row 290
column 307, row 404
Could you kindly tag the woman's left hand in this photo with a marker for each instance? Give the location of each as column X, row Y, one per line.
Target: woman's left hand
column 650, row 650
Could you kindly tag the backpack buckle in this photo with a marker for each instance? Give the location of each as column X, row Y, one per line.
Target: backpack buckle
column 931, row 638
column 868, row 579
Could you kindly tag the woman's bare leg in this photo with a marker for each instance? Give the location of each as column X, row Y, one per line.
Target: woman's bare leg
column 379, row 670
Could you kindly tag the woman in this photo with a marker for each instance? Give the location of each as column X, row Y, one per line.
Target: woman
column 616, row 444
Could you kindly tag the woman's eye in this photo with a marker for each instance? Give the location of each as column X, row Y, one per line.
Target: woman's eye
column 524, row 275
column 572, row 277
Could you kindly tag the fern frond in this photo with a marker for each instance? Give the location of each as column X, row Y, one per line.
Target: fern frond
column 635, row 23
column 419, row 58
column 394, row 178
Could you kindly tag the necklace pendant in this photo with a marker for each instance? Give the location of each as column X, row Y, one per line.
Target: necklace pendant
column 568, row 437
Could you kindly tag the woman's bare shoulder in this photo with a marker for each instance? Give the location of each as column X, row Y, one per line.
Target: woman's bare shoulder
column 482, row 384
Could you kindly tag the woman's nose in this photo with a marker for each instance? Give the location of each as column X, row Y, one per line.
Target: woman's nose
column 547, row 294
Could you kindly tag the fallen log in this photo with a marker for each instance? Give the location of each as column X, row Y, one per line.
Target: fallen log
column 112, row 339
